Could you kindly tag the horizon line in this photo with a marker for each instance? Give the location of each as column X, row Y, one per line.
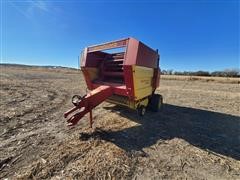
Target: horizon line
column 162, row 69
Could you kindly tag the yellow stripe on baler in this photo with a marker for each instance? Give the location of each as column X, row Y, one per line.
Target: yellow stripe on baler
column 142, row 79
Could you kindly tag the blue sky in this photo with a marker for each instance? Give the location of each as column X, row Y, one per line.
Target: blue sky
column 190, row 35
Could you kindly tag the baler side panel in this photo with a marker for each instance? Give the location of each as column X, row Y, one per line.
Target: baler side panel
column 90, row 74
column 146, row 56
column 131, row 52
column 128, row 75
column 142, row 78
column 156, row 78
column 93, row 59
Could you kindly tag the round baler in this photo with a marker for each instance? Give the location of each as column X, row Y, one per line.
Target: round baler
column 128, row 77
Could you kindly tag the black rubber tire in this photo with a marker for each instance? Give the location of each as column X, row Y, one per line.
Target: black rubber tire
column 141, row 110
column 155, row 102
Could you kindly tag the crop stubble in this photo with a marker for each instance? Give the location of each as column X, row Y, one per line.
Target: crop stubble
column 196, row 135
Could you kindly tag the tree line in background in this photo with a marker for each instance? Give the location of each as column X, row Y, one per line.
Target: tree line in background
column 224, row 73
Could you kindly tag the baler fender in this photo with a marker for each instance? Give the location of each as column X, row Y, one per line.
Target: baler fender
column 87, row 103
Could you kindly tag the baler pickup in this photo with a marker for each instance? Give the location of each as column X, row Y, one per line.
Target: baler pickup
column 85, row 104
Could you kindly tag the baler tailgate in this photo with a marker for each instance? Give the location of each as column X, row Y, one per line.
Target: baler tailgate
column 86, row 104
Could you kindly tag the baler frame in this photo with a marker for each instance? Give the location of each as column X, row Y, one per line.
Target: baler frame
column 128, row 78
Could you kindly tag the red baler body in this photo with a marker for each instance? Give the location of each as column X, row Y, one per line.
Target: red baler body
column 117, row 76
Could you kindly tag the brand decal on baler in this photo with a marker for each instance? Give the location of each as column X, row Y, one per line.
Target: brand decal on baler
column 145, row 81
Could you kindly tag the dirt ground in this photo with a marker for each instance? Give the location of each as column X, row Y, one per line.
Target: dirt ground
column 195, row 136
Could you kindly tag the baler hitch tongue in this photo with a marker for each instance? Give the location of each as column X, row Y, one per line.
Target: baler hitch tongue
column 85, row 104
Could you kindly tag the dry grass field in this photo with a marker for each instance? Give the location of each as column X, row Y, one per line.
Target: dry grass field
column 202, row 78
column 195, row 136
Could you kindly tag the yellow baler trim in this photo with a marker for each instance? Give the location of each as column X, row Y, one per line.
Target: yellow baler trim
column 142, row 80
